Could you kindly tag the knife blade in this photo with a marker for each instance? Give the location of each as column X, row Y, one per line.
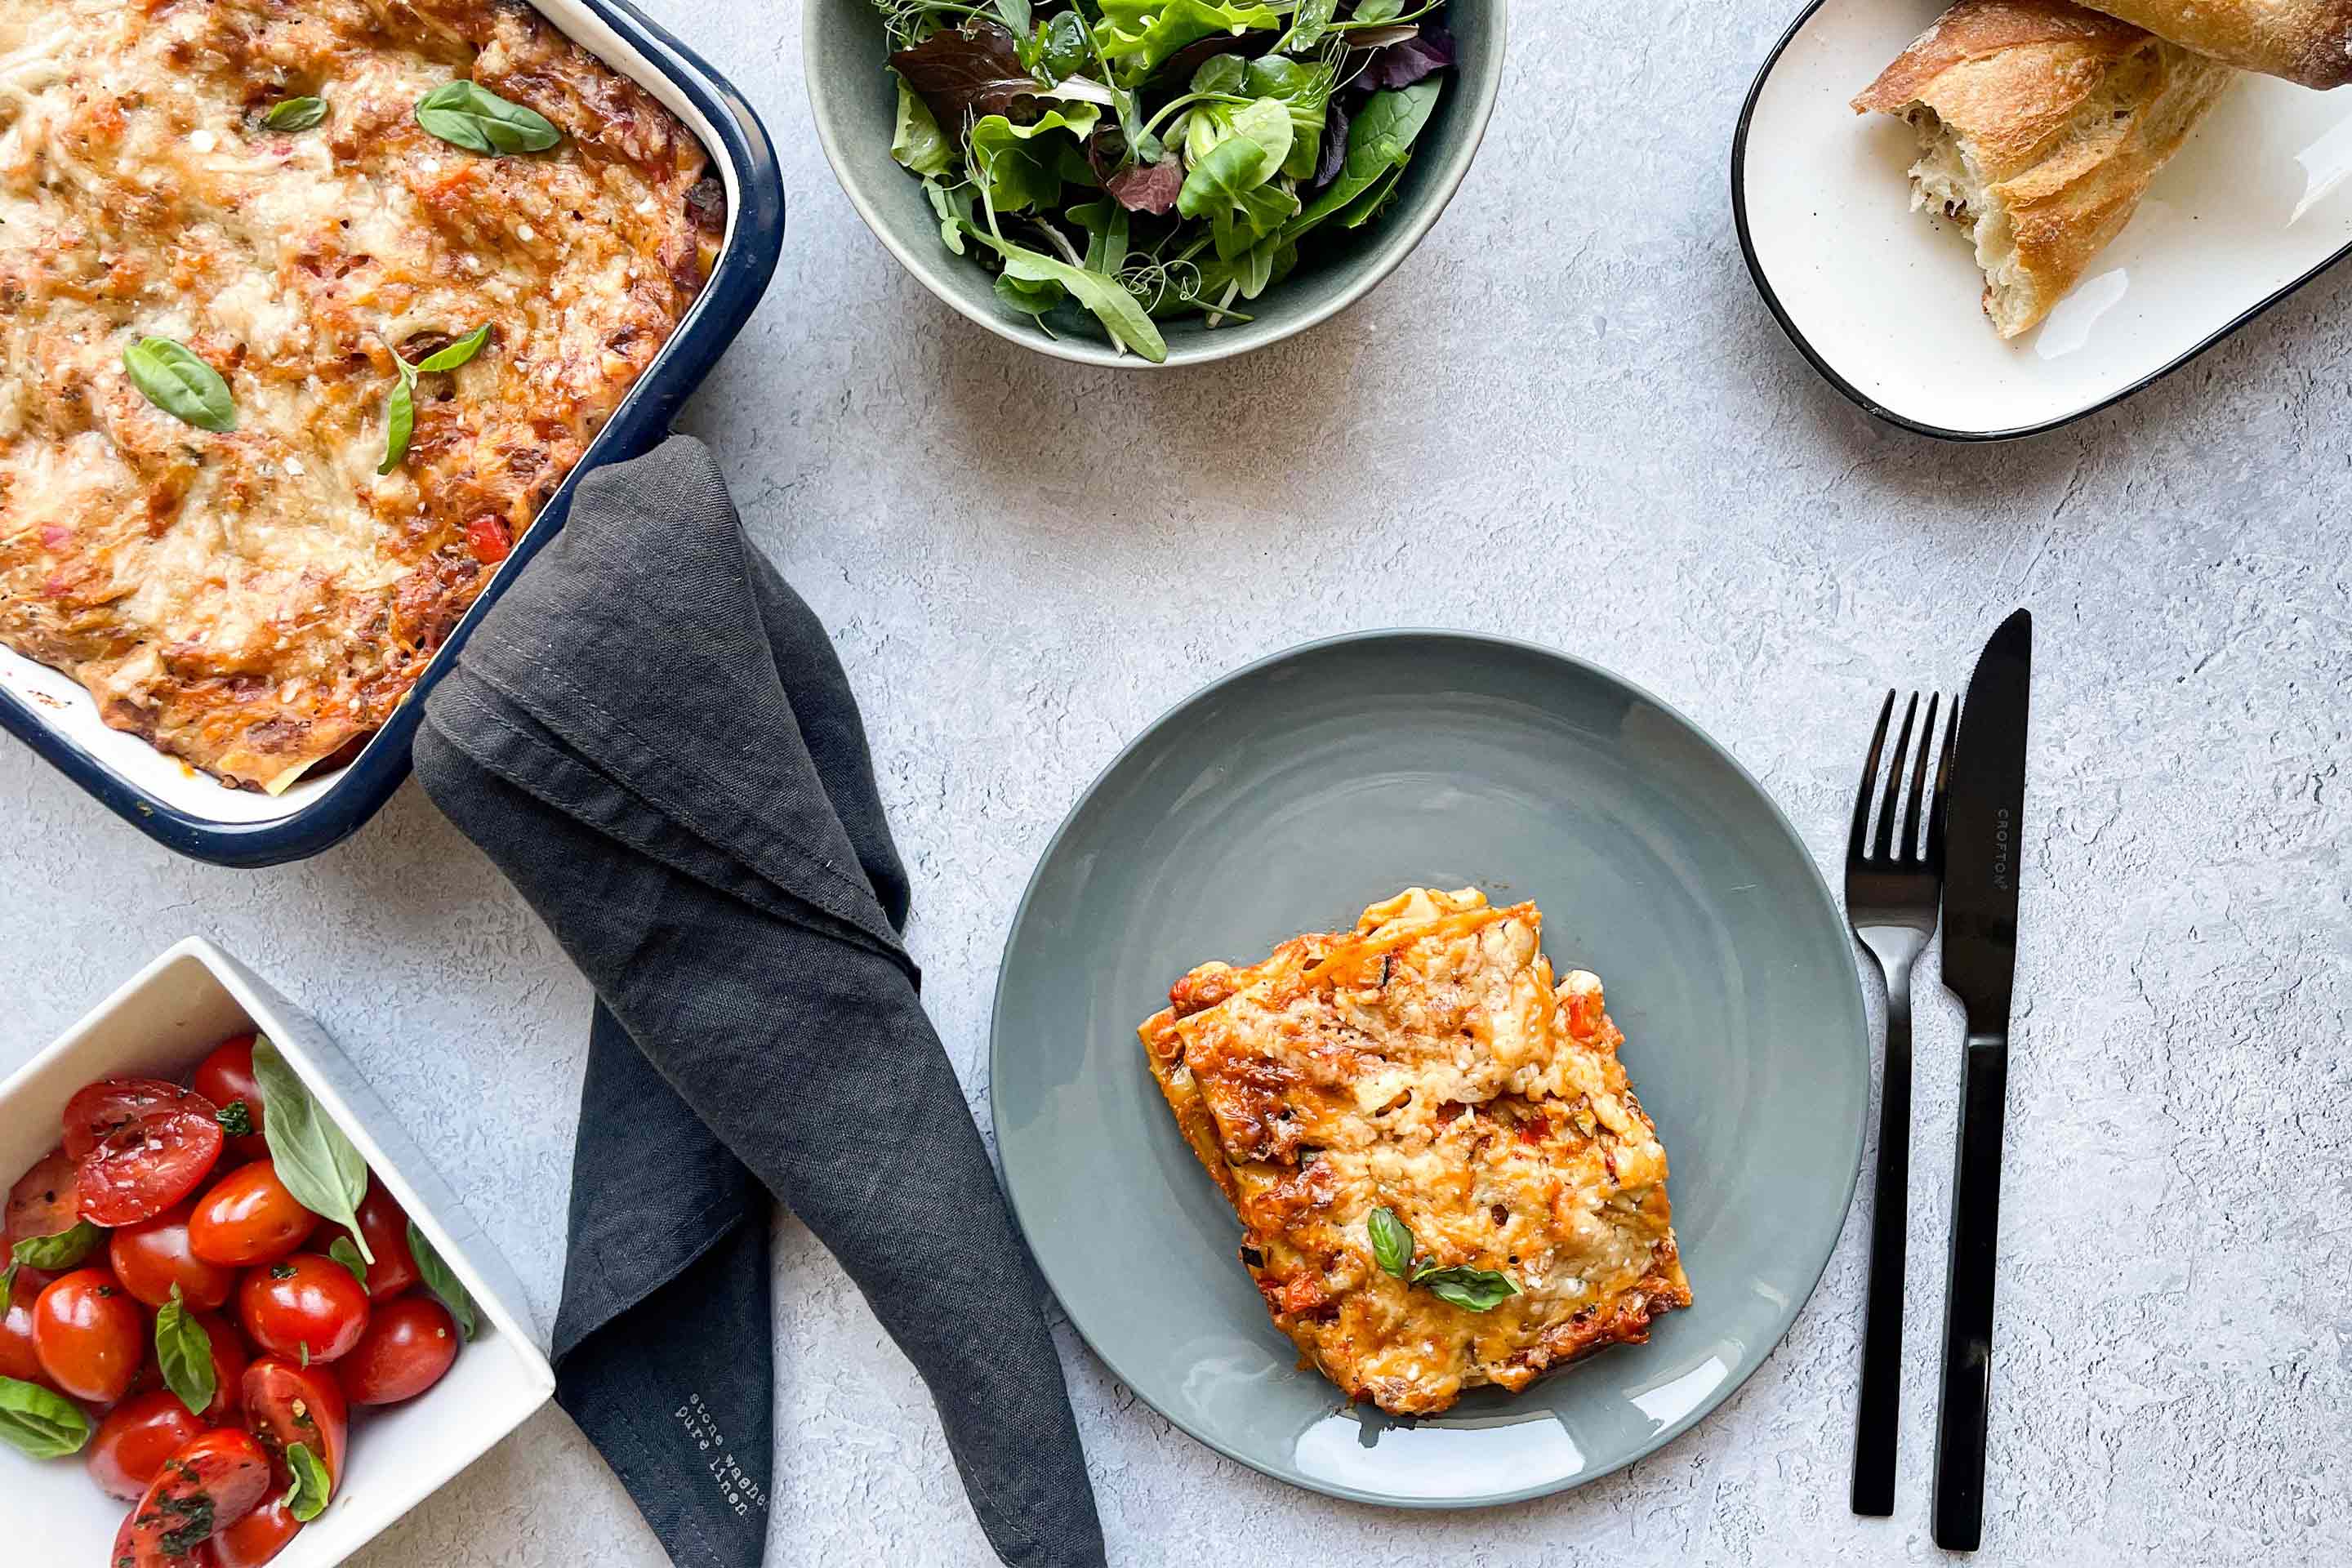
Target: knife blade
column 1982, row 845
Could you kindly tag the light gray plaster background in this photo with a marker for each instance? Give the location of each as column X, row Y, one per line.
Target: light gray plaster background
column 1569, row 418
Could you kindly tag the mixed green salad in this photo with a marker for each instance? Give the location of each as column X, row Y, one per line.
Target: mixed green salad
column 1141, row 159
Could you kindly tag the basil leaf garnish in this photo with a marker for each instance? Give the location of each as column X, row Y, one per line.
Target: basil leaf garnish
column 1391, row 1241
column 314, row 1160
column 469, row 115
column 184, row 1354
column 306, row 1500
column 1472, row 1289
column 8, row 1288
column 341, row 1250
column 172, row 377
column 399, row 423
column 458, row 352
column 39, row 1423
column 439, row 1279
column 295, row 113
column 236, row 1119
column 59, row 1252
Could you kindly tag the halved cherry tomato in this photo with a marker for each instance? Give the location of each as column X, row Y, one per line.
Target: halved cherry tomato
column 45, row 1201
column 258, row 1537
column 248, row 1218
column 287, row 1402
column 408, row 1345
column 19, row 1359
column 486, row 536
column 385, row 1224
column 89, row 1334
column 304, row 1303
column 154, row 1255
column 227, row 1077
column 203, row 1488
column 135, row 1440
column 143, row 1145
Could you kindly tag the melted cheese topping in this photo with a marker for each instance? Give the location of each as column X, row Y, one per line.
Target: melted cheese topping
column 1425, row 1063
column 257, row 601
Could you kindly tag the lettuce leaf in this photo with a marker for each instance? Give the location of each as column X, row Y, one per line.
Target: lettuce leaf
column 1022, row 167
column 1138, row 36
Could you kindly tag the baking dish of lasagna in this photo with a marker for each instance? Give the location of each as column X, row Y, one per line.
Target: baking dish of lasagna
column 315, row 316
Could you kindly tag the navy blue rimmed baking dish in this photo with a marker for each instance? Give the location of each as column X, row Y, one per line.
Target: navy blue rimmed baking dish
column 193, row 813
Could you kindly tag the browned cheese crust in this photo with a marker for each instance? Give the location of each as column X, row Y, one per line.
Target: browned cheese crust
column 1426, row 1063
column 256, row 601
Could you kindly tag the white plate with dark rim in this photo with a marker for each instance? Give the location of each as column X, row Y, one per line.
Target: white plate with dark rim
column 1884, row 301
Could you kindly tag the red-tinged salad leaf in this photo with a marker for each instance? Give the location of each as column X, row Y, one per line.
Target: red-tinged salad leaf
column 967, row 73
column 1401, row 65
column 1334, row 151
column 1139, row 187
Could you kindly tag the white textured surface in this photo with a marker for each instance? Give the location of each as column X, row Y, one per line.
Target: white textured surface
column 1567, row 417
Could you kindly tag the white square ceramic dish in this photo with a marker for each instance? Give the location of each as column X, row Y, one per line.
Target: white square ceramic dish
column 1884, row 301
column 161, row 1024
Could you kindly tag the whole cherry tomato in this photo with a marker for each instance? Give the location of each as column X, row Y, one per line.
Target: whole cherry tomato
column 409, row 1344
column 154, row 1255
column 230, row 1355
column 209, row 1485
column 135, row 1440
column 89, row 1334
column 143, row 1145
column 225, row 1078
column 19, row 1359
column 45, row 1201
column 248, row 1219
column 287, row 1402
column 258, row 1537
column 385, row 1224
column 304, row 1303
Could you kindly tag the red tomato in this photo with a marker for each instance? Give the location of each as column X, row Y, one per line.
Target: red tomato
column 248, row 1218
column 19, row 1359
column 143, row 1145
column 135, row 1440
column 258, row 1537
column 385, row 1224
column 89, row 1334
column 287, row 1402
column 227, row 1077
column 486, row 536
column 303, row 1303
column 206, row 1486
column 230, row 1355
column 45, row 1201
column 408, row 1345
column 154, row 1255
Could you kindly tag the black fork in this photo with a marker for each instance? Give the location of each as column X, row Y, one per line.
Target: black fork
column 1892, row 893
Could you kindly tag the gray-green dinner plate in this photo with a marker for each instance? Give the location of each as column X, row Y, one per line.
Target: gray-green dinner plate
column 1285, row 797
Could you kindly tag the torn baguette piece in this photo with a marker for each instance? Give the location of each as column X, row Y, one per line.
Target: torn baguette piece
column 2304, row 41
column 2039, row 124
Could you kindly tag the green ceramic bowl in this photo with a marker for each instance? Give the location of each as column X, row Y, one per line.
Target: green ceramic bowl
column 854, row 101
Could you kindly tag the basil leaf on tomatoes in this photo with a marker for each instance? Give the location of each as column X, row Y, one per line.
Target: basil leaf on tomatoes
column 306, row 1500
column 184, row 1351
column 318, row 1164
column 38, row 1424
column 341, row 1250
column 442, row 1281
column 60, row 1252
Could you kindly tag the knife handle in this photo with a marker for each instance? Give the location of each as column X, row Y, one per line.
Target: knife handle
column 1960, row 1419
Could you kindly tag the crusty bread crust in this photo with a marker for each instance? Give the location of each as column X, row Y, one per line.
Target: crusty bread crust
column 2042, row 124
column 2306, row 41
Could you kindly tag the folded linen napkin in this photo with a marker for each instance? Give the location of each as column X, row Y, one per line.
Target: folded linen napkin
column 651, row 736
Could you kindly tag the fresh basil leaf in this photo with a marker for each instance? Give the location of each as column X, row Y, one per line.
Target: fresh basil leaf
column 236, row 1119
column 8, row 1287
column 1019, row 170
column 399, row 423
column 458, row 352
column 306, row 1500
column 172, row 377
column 314, row 1160
column 38, row 1424
column 1307, row 27
column 295, row 113
column 917, row 142
column 1391, row 1241
column 442, row 1282
column 60, row 1252
column 1120, row 313
column 466, row 114
column 184, row 1351
column 341, row 1250
column 1472, row 1289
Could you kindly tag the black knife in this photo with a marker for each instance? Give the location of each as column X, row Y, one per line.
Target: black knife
column 1982, row 840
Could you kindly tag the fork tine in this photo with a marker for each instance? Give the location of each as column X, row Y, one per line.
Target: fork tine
column 1895, row 780
column 1911, row 846
column 1943, row 782
column 1854, row 840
